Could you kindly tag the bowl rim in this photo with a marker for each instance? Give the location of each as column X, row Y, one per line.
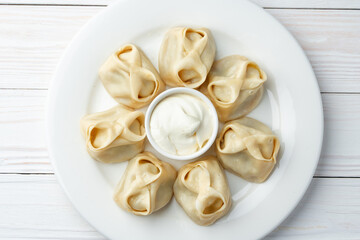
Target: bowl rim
column 177, row 90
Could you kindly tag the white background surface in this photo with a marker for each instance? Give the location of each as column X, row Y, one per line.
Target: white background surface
column 34, row 33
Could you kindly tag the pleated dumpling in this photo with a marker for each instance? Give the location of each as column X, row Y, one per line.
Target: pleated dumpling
column 146, row 186
column 235, row 86
column 186, row 56
column 248, row 148
column 202, row 190
column 130, row 78
column 115, row 135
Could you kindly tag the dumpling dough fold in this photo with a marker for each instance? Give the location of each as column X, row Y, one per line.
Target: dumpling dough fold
column 186, row 56
column 130, row 78
column 146, row 185
column 247, row 148
column 235, row 86
column 202, row 190
column 115, row 135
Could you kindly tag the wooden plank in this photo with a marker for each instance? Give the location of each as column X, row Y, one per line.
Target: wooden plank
column 32, row 39
column 35, row 207
column 340, row 153
column 308, row 4
column 329, row 210
column 22, row 126
column 22, row 111
column 330, row 40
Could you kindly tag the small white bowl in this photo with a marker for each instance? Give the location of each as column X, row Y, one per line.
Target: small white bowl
column 195, row 93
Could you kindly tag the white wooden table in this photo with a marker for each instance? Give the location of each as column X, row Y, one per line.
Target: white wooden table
column 33, row 35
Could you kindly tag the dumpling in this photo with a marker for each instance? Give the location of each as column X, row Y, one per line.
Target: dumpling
column 235, row 86
column 248, row 148
column 146, row 185
column 115, row 135
column 130, row 78
column 186, row 56
column 202, row 190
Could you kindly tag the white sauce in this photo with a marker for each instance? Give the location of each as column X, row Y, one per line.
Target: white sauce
column 181, row 124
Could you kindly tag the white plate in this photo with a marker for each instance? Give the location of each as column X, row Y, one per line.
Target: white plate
column 291, row 106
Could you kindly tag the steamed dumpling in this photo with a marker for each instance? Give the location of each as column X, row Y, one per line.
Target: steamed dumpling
column 248, row 148
column 235, row 86
column 130, row 78
column 146, row 185
column 115, row 135
column 186, row 56
column 202, row 190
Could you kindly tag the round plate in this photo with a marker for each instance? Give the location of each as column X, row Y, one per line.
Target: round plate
column 291, row 107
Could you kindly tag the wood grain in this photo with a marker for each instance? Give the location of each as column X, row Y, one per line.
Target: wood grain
column 34, row 207
column 309, row 4
column 23, row 145
column 32, row 39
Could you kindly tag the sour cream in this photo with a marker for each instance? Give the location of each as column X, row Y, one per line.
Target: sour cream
column 181, row 124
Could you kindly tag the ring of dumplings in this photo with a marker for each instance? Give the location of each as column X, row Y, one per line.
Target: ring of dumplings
column 245, row 146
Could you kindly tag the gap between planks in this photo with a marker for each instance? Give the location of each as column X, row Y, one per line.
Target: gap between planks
column 275, row 4
column 52, row 173
column 104, row 5
column 52, row 5
column 46, row 89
